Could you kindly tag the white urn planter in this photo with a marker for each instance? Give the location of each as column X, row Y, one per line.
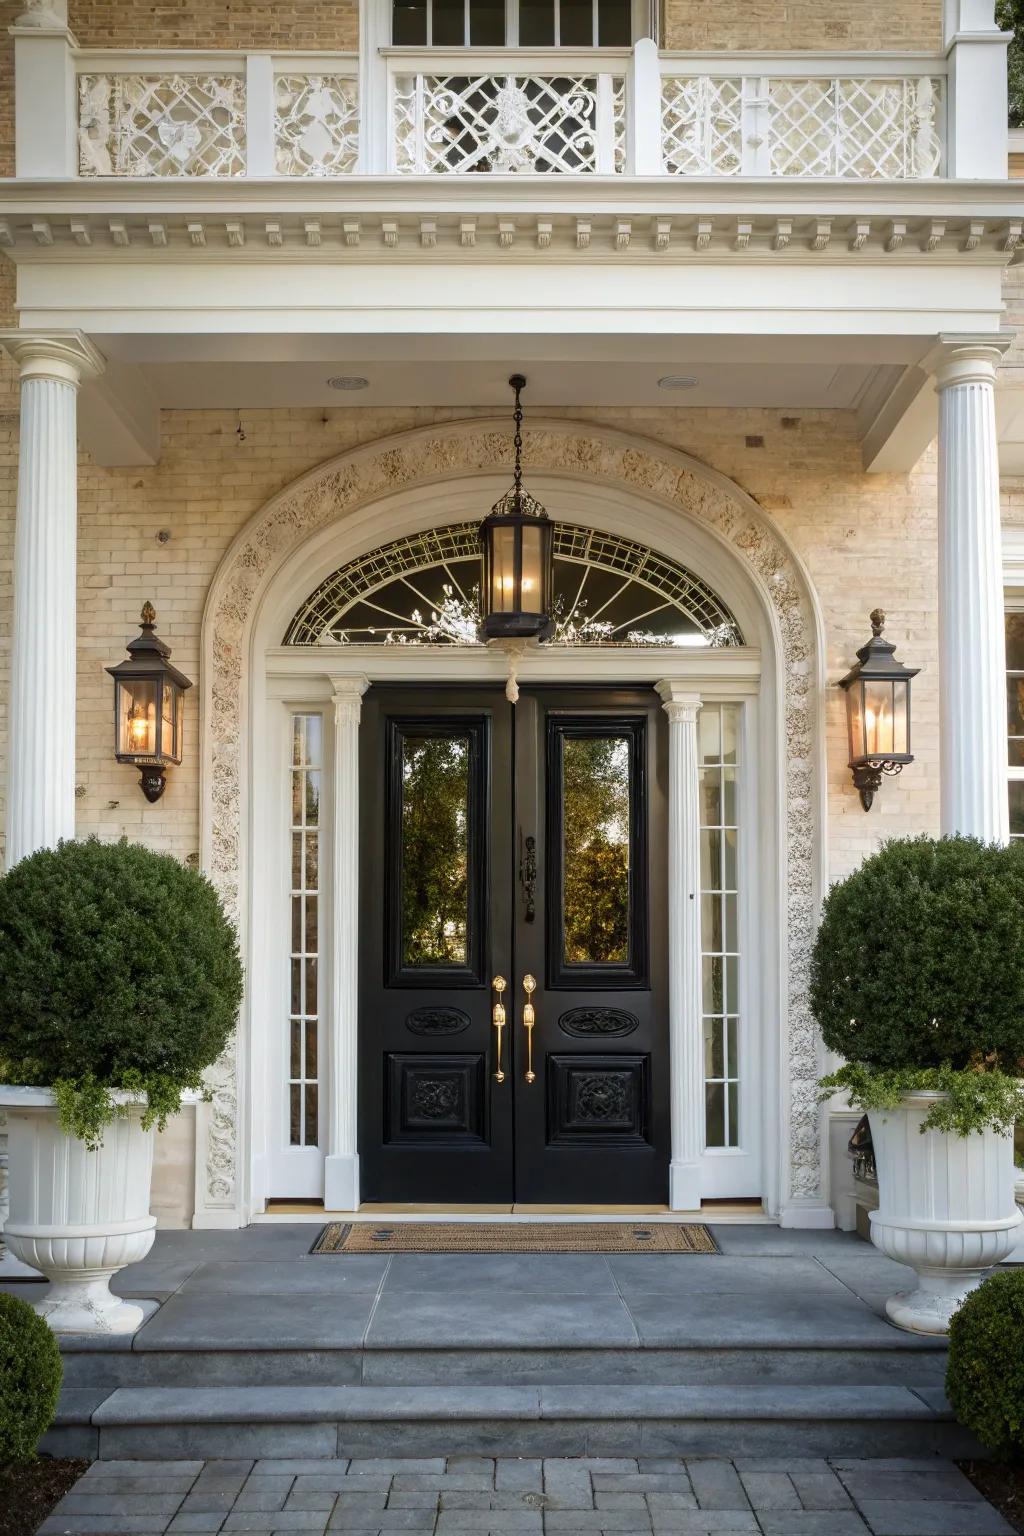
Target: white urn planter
column 946, row 1208
column 75, row 1215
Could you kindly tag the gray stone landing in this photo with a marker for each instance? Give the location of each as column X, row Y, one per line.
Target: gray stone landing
column 777, row 1346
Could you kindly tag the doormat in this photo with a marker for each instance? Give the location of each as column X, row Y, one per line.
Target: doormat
column 514, row 1237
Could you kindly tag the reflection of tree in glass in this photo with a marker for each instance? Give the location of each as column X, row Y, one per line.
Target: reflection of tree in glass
column 595, row 893
column 435, row 855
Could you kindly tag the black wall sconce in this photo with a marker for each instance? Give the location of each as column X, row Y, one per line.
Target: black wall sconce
column 149, row 708
column 877, row 712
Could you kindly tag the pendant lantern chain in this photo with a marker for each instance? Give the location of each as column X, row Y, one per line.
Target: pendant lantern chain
column 518, row 382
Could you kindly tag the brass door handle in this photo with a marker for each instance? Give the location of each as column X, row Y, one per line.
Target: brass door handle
column 529, row 1020
column 498, row 1018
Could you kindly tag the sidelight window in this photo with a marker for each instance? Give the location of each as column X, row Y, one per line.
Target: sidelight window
column 1015, row 718
column 304, row 896
column 516, row 24
column 719, row 912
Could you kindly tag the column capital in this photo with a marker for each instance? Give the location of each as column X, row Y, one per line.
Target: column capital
column 68, row 356
column 679, row 701
column 348, row 698
column 969, row 358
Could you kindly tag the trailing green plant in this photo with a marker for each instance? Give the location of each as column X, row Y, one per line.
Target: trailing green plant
column 975, row 1100
column 30, row 1378
column 985, row 1370
column 1010, row 17
column 119, row 972
column 919, row 959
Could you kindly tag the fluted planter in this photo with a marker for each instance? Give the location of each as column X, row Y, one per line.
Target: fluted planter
column 946, row 1209
column 75, row 1215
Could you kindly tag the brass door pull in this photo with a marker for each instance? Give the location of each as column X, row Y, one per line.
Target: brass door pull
column 529, row 1020
column 498, row 1016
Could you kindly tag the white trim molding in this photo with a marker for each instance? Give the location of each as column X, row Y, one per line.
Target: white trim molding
column 672, row 502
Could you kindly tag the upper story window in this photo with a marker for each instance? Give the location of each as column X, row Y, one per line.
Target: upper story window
column 512, row 24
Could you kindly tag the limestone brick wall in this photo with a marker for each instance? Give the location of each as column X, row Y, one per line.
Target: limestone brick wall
column 829, row 24
column 334, row 25
column 865, row 541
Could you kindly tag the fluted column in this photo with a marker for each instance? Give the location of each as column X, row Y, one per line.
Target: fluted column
column 341, row 1167
column 684, row 972
column 972, row 648
column 41, row 755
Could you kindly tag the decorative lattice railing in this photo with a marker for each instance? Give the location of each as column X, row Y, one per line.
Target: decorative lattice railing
column 604, row 113
column 790, row 125
column 249, row 119
column 509, row 123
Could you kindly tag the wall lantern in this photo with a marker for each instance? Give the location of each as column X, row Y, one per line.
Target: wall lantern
column 877, row 712
column 517, row 570
column 149, row 706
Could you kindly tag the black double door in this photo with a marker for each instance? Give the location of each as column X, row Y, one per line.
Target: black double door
column 513, row 859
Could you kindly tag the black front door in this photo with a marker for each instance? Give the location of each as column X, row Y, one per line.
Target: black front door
column 524, row 844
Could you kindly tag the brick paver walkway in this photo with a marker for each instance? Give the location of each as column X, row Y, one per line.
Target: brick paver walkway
column 477, row 1496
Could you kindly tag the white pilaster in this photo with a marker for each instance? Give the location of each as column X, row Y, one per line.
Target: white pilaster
column 972, row 651
column 341, row 1165
column 259, row 115
column 45, row 92
column 643, row 85
column 41, row 761
column 686, row 1063
column 977, row 135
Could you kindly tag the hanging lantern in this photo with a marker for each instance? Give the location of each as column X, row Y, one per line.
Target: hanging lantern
column 149, row 707
column 517, row 568
column 877, row 712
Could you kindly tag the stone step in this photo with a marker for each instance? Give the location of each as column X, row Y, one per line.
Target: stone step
column 902, row 1360
column 609, row 1419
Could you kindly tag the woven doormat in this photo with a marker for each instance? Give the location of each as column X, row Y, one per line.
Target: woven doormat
column 514, row 1237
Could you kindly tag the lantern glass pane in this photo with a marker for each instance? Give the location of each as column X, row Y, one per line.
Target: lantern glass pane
column 137, row 717
column 901, row 717
column 878, row 718
column 532, row 592
column 503, row 570
column 855, row 720
column 165, row 743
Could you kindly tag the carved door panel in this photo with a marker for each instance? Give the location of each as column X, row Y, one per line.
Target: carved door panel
column 592, row 1127
column 521, row 843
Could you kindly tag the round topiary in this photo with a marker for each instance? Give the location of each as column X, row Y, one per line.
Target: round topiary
column 118, row 970
column 30, row 1377
column 919, row 959
column 985, row 1372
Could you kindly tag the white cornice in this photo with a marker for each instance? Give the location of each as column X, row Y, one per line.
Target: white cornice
column 100, row 224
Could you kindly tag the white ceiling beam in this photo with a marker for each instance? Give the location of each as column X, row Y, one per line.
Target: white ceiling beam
column 902, row 427
column 118, row 418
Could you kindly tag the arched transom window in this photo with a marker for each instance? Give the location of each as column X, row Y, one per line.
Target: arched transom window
column 424, row 590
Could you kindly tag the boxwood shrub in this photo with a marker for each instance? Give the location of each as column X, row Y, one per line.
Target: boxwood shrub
column 985, row 1371
column 118, row 970
column 917, row 978
column 30, row 1378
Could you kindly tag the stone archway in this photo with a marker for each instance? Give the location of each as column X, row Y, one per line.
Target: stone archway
column 345, row 485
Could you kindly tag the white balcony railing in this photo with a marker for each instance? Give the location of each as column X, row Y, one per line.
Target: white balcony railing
column 595, row 112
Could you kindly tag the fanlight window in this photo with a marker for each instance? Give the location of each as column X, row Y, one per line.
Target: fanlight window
column 424, row 590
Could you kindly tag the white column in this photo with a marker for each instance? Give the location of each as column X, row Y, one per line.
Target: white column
column 643, row 85
column 41, row 758
column 972, row 651
column 686, row 1064
column 341, row 1166
column 259, row 115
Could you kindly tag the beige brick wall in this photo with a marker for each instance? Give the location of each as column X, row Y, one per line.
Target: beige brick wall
column 831, row 24
column 865, row 540
column 334, row 25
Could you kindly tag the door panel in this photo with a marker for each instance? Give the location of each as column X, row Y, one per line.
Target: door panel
column 434, row 927
column 591, row 771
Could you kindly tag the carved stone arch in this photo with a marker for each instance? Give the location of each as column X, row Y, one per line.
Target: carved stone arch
column 347, row 485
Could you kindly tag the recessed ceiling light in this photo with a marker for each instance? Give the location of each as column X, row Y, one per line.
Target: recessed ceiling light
column 677, row 381
column 347, row 381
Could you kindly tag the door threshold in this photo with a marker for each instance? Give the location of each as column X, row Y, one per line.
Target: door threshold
column 726, row 1213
